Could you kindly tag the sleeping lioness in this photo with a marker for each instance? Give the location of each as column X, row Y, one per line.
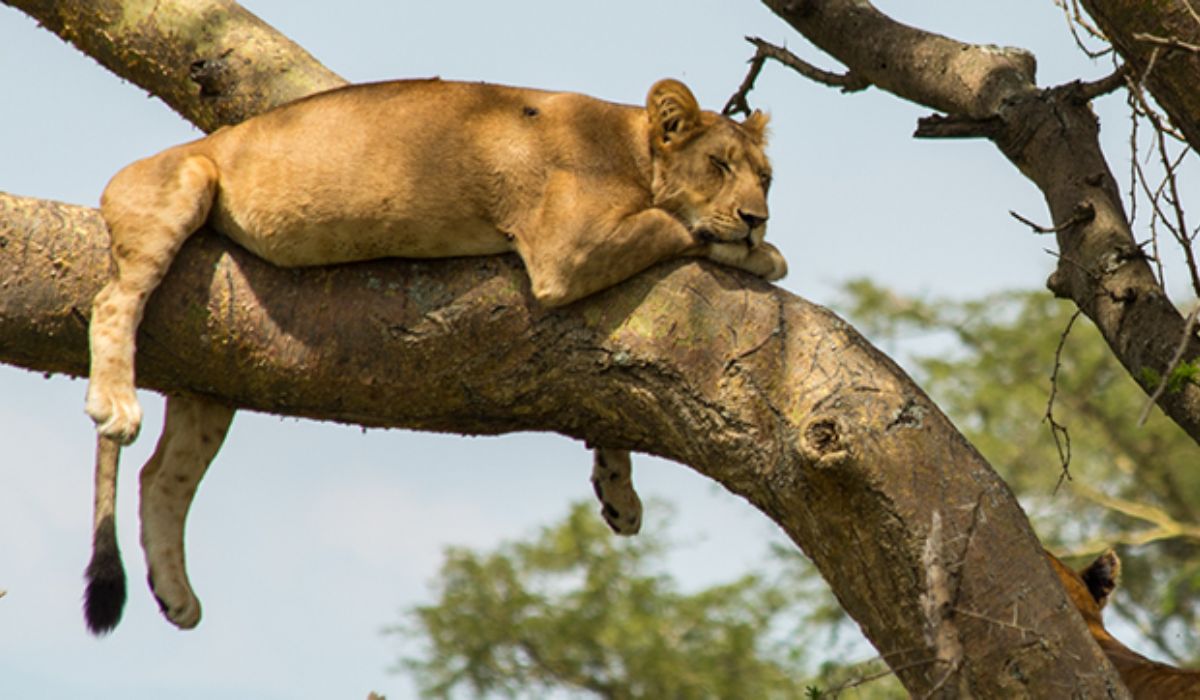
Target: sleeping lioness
column 586, row 192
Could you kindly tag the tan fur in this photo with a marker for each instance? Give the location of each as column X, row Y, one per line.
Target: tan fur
column 588, row 193
column 1146, row 679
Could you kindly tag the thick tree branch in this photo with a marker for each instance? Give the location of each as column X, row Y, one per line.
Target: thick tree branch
column 1162, row 33
column 775, row 398
column 213, row 62
column 1051, row 136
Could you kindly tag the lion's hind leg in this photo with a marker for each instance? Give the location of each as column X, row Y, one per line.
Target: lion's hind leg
column 150, row 208
column 612, row 479
column 193, row 430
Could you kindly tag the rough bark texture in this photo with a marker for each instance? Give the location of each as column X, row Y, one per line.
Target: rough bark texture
column 213, row 62
column 775, row 398
column 1051, row 136
column 1174, row 78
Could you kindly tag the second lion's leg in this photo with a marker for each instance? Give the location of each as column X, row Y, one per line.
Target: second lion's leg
column 612, row 479
column 193, row 431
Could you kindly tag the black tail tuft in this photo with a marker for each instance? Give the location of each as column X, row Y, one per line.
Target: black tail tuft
column 105, row 597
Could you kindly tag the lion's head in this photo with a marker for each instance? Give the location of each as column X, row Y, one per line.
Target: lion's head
column 710, row 172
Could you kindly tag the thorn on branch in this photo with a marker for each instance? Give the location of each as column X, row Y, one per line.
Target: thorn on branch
column 738, row 103
column 1083, row 214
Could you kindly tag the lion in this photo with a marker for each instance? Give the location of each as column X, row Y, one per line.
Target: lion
column 1089, row 590
column 586, row 192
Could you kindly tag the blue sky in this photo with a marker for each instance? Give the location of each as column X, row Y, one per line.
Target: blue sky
column 308, row 538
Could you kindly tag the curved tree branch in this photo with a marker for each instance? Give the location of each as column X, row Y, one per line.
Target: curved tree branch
column 1052, row 137
column 213, row 62
column 1144, row 33
column 775, row 398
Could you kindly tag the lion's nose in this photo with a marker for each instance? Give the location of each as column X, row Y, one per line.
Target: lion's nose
column 752, row 220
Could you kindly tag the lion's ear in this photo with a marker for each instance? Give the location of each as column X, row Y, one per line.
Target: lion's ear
column 673, row 111
column 755, row 126
column 1101, row 576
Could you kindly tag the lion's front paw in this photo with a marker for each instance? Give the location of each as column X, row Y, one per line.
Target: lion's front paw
column 117, row 414
column 767, row 262
column 763, row 260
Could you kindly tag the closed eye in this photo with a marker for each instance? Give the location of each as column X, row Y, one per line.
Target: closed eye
column 765, row 179
column 720, row 164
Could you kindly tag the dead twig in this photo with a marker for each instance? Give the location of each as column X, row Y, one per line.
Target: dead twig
column 1168, row 42
column 1058, row 431
column 1088, row 91
column 1075, row 18
column 1083, row 214
column 739, row 103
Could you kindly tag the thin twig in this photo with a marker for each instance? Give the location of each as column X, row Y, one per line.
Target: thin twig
column 1061, row 444
column 1192, row 11
column 1083, row 214
column 1167, row 42
column 1176, row 358
column 738, row 103
column 1077, row 20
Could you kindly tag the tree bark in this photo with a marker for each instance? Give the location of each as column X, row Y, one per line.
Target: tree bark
column 213, row 62
column 1135, row 27
column 777, row 399
column 1051, row 135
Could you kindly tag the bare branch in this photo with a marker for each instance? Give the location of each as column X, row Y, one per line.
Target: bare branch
column 1167, row 35
column 1052, row 136
column 1076, row 19
column 1168, row 42
column 848, row 82
column 1110, row 83
column 1058, row 431
column 1084, row 213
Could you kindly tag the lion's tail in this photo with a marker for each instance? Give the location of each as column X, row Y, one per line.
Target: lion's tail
column 104, row 599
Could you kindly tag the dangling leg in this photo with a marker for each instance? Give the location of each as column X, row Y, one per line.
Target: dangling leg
column 193, row 430
column 612, row 480
column 150, row 208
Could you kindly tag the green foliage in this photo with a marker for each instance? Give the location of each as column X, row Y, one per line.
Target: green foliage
column 1182, row 373
column 576, row 608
